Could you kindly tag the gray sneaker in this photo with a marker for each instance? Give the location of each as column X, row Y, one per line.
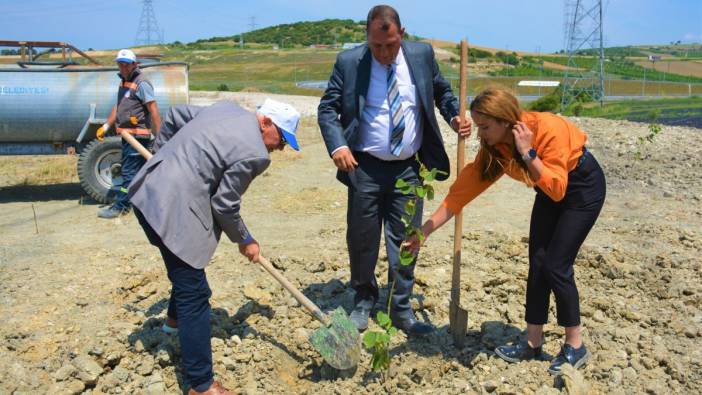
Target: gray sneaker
column 111, row 212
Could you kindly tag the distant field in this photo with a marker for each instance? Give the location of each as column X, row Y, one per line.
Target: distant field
column 684, row 111
column 684, row 67
column 275, row 71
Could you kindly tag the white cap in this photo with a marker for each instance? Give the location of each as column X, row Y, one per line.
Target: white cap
column 125, row 55
column 285, row 117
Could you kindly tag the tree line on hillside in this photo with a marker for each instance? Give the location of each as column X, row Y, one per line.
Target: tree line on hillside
column 325, row 32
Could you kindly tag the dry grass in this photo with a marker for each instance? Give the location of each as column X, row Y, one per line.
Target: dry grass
column 38, row 170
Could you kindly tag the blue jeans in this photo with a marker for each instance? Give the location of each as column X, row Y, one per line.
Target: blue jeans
column 132, row 161
column 189, row 304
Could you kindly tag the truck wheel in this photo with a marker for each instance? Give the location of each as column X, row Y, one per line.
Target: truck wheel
column 99, row 166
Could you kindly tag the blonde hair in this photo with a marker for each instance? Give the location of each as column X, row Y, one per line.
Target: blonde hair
column 501, row 105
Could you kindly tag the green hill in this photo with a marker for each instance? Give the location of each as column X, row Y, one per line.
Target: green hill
column 324, row 32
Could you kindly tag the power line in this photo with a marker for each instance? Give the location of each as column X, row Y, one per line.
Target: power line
column 252, row 23
column 148, row 32
column 583, row 32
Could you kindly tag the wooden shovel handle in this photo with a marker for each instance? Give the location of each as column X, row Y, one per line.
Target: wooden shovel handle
column 460, row 160
column 299, row 296
column 137, row 145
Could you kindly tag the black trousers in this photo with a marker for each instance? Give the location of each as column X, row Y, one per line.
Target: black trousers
column 189, row 304
column 557, row 231
column 375, row 203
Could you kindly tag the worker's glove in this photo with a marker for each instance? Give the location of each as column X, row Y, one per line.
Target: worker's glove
column 100, row 134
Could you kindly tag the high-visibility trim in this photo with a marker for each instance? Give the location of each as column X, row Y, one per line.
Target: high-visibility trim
column 123, row 190
column 130, row 85
column 135, row 131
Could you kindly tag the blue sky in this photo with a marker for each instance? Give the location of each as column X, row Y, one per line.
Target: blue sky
column 528, row 25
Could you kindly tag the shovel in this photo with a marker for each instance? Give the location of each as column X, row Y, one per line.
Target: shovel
column 137, row 145
column 458, row 316
column 337, row 339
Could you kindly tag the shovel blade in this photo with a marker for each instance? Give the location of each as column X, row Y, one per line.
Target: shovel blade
column 458, row 323
column 338, row 342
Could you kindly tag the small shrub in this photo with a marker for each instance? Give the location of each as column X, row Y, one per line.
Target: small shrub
column 378, row 342
column 653, row 130
column 223, row 88
column 548, row 103
column 653, row 116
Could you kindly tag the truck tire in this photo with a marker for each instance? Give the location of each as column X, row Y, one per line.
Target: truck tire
column 99, row 167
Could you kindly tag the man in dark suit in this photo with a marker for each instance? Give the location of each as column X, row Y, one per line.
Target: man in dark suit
column 376, row 114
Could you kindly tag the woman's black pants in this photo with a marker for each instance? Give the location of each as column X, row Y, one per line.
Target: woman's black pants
column 557, row 231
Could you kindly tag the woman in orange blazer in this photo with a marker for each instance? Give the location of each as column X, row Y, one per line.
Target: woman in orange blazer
column 547, row 152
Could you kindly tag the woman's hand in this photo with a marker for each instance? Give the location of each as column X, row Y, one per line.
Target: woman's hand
column 522, row 137
column 412, row 244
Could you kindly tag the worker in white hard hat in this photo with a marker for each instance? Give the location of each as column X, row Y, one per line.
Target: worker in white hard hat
column 136, row 113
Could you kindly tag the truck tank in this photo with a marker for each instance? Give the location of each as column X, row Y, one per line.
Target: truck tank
column 50, row 109
column 46, row 104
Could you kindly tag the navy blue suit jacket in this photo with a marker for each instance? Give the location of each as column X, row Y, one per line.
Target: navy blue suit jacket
column 340, row 110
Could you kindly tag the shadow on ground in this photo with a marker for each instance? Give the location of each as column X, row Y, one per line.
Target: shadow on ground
column 42, row 193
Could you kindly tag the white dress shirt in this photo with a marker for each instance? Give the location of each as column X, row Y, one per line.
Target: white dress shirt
column 374, row 129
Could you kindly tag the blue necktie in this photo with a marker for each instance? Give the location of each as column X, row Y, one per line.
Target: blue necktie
column 397, row 118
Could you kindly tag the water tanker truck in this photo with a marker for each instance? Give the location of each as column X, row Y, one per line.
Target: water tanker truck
column 49, row 108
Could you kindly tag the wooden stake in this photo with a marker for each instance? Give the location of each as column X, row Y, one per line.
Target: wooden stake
column 36, row 225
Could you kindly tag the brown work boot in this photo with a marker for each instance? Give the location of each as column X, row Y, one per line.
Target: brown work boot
column 215, row 389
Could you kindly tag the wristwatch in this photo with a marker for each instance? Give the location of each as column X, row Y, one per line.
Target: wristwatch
column 530, row 155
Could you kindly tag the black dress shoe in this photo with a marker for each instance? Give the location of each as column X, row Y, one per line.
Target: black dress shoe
column 411, row 326
column 518, row 352
column 577, row 357
column 360, row 313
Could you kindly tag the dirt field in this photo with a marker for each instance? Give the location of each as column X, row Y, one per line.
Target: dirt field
column 691, row 67
column 83, row 298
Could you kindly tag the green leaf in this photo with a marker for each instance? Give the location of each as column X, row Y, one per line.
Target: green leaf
column 430, row 192
column 383, row 319
column 369, row 339
column 406, row 258
column 400, row 184
column 392, row 331
column 404, row 187
column 424, row 173
column 421, row 192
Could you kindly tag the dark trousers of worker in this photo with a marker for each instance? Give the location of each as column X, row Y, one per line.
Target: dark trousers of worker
column 375, row 204
column 132, row 161
column 557, row 231
column 189, row 304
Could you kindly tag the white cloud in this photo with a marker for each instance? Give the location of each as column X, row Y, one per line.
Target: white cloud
column 692, row 37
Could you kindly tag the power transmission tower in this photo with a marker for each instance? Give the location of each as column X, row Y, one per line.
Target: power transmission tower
column 584, row 36
column 148, row 32
column 252, row 25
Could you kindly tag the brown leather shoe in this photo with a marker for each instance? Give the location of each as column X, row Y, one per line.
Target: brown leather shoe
column 215, row 389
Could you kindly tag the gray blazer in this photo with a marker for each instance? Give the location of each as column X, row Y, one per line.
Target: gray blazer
column 339, row 112
column 190, row 191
